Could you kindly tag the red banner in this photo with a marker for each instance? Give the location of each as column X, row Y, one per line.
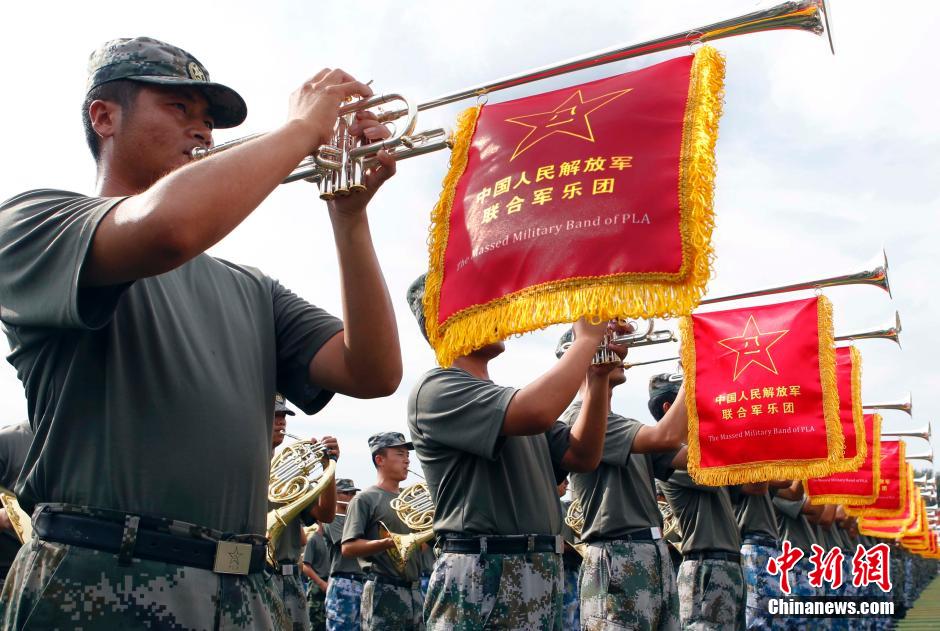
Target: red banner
column 901, row 523
column 761, row 393
column 849, row 379
column 853, row 487
column 892, row 486
column 589, row 200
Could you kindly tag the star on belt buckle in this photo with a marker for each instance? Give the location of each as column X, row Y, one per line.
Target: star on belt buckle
column 232, row 557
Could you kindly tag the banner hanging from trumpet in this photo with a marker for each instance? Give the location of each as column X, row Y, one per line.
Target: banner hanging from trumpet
column 594, row 200
column 892, row 484
column 852, row 487
column 761, row 392
column 899, row 524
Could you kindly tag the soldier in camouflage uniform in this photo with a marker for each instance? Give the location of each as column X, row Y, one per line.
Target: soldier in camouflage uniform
column 317, row 570
column 344, row 589
column 711, row 583
column 792, row 508
column 627, row 578
column 571, row 561
column 151, row 367
column 289, row 548
column 760, row 536
column 391, row 596
column 493, row 457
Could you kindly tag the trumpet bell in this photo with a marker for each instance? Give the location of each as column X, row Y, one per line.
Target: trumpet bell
column 904, row 405
column 405, row 545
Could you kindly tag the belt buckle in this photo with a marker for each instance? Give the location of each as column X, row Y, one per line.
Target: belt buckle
column 232, row 557
column 656, row 533
column 559, row 544
column 287, row 569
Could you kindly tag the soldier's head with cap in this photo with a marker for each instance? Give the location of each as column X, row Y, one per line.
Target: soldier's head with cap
column 150, row 103
column 664, row 388
column 390, row 454
column 346, row 489
column 415, row 298
column 281, row 412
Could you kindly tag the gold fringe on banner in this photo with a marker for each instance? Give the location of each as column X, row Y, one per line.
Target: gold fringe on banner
column 640, row 295
column 876, row 474
column 897, row 518
column 760, row 471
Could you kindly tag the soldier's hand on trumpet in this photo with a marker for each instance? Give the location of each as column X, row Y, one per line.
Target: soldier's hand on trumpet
column 314, row 106
column 614, row 329
column 368, row 129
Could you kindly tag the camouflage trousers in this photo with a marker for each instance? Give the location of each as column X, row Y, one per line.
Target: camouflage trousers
column 388, row 607
column 343, row 599
column 295, row 601
column 512, row 591
column 628, row 585
column 800, row 589
column 316, row 605
column 711, row 595
column 760, row 586
column 56, row 586
column 571, row 605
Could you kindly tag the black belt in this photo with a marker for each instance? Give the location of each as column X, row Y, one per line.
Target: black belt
column 637, row 535
column 759, row 540
column 352, row 576
column 392, row 580
column 108, row 536
column 712, row 555
column 514, row 544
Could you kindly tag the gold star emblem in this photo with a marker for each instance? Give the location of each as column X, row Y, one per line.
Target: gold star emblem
column 753, row 346
column 195, row 72
column 235, row 559
column 570, row 117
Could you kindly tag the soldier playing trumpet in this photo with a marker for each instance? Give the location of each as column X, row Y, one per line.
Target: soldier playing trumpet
column 627, row 576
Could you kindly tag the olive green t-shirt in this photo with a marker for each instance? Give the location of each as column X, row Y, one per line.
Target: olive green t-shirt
column 705, row 514
column 333, row 535
column 14, row 445
column 754, row 513
column 793, row 525
column 483, row 483
column 619, row 496
column 289, row 546
column 363, row 516
column 153, row 397
column 316, row 555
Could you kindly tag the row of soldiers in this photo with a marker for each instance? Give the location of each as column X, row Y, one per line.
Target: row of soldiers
column 712, row 574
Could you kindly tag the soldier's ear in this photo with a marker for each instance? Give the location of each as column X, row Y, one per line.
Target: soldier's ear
column 104, row 117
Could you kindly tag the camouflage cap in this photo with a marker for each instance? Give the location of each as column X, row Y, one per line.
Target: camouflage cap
column 345, row 485
column 415, row 298
column 280, row 405
column 147, row 60
column 388, row 439
column 665, row 382
column 663, row 387
column 566, row 338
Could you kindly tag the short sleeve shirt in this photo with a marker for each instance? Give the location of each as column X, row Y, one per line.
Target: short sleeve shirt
column 369, row 511
column 14, row 445
column 793, row 525
column 483, row 483
column 619, row 496
column 755, row 514
column 153, row 397
column 317, row 556
column 333, row 535
column 705, row 514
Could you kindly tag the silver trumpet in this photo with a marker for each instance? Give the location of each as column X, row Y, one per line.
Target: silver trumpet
column 904, row 405
column 925, row 433
column 927, row 455
column 646, row 337
column 339, row 165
